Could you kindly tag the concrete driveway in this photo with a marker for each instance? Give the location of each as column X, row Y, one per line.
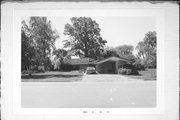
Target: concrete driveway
column 106, row 78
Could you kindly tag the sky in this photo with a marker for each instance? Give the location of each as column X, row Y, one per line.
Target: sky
column 115, row 30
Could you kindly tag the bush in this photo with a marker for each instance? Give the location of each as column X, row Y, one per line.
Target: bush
column 66, row 67
column 139, row 66
column 128, row 71
column 124, row 71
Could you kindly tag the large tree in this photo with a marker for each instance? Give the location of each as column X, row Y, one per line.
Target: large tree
column 60, row 52
column 84, row 37
column 147, row 49
column 108, row 52
column 125, row 51
column 27, row 51
column 58, row 58
column 39, row 31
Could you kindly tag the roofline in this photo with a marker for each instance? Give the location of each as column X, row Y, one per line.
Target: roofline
column 120, row 58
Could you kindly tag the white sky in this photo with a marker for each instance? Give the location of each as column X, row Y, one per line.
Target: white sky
column 116, row 30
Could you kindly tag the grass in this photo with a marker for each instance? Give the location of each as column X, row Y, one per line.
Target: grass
column 74, row 76
column 149, row 74
column 52, row 76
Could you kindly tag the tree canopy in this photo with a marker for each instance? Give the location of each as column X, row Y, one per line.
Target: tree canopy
column 125, row 51
column 60, row 52
column 27, row 51
column 147, row 49
column 108, row 52
column 84, row 37
column 39, row 37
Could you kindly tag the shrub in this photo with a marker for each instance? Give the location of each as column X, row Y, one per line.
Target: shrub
column 66, row 67
column 126, row 71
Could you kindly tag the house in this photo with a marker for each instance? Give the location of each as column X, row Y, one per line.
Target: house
column 77, row 63
column 105, row 66
column 110, row 65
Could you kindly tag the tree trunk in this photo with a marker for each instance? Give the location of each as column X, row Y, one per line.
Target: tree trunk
column 29, row 70
column 86, row 50
column 86, row 53
column 44, row 61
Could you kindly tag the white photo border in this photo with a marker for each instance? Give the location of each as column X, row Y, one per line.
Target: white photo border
column 160, row 28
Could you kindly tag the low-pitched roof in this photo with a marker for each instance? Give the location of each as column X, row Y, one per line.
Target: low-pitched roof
column 79, row 61
column 86, row 61
column 113, row 59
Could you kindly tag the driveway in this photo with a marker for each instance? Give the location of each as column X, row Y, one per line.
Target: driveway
column 106, row 78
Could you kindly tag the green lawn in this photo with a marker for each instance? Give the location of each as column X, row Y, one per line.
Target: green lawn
column 53, row 76
column 73, row 76
column 149, row 74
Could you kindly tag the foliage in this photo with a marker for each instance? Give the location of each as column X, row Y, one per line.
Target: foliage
column 125, row 51
column 41, row 36
column 60, row 52
column 147, row 50
column 108, row 52
column 139, row 63
column 84, row 37
column 128, row 69
column 27, row 52
column 59, row 56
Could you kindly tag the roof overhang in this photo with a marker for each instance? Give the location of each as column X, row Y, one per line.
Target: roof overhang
column 113, row 59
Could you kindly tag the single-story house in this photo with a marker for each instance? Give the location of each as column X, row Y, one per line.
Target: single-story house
column 78, row 63
column 110, row 65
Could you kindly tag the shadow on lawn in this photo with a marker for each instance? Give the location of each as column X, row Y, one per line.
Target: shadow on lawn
column 48, row 76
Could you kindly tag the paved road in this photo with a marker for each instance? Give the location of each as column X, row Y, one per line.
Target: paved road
column 124, row 93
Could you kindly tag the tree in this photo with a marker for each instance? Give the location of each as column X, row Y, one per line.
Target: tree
column 84, row 37
column 125, row 51
column 147, row 49
column 108, row 52
column 27, row 51
column 39, row 31
column 60, row 52
column 59, row 56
